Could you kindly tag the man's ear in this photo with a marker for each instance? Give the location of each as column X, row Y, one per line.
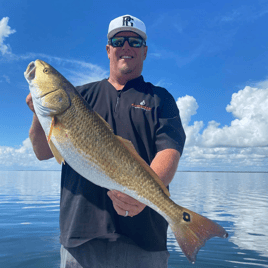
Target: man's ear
column 145, row 52
column 108, row 51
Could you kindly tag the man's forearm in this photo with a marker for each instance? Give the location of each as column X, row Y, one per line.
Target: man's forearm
column 165, row 164
column 39, row 140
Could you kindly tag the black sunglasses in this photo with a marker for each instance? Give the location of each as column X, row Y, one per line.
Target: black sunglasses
column 132, row 41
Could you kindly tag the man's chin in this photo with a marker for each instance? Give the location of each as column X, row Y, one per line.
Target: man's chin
column 126, row 70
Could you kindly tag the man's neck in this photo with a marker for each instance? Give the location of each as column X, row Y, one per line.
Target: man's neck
column 119, row 83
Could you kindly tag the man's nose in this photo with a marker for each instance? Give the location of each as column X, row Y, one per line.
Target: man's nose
column 126, row 45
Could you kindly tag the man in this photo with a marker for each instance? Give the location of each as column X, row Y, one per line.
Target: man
column 101, row 228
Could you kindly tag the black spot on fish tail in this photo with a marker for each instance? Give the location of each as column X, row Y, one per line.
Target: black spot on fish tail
column 186, row 217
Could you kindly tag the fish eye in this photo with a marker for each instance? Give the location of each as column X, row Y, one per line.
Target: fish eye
column 45, row 70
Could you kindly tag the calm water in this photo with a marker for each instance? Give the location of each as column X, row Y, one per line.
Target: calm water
column 29, row 214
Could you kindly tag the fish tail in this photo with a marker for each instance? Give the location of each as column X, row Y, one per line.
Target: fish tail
column 193, row 230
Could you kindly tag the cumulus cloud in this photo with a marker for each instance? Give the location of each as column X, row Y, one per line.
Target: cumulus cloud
column 250, row 108
column 241, row 146
column 244, row 143
column 77, row 72
column 262, row 84
column 23, row 158
column 5, row 31
column 188, row 107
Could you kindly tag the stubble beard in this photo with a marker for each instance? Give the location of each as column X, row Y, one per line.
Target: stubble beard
column 125, row 70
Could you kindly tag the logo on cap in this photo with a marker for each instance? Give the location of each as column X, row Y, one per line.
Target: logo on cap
column 126, row 20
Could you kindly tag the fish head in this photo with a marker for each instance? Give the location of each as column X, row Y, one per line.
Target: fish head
column 48, row 87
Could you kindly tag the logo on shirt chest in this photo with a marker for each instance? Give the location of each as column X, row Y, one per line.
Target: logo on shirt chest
column 142, row 106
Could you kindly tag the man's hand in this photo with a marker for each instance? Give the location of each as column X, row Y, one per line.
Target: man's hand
column 29, row 102
column 37, row 135
column 123, row 203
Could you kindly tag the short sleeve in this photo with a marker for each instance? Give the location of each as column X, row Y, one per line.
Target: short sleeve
column 169, row 132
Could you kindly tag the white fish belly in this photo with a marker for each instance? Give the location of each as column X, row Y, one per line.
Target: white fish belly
column 90, row 171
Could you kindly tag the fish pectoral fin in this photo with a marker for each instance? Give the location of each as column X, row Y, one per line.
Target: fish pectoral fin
column 53, row 148
column 106, row 124
column 56, row 153
column 130, row 147
column 51, row 128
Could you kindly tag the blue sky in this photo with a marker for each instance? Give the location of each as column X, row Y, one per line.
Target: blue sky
column 211, row 55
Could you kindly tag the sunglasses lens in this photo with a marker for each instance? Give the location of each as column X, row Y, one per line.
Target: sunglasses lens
column 117, row 41
column 133, row 41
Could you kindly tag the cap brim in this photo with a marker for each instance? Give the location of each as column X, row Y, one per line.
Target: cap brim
column 126, row 29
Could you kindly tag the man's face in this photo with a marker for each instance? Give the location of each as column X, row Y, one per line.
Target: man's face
column 126, row 61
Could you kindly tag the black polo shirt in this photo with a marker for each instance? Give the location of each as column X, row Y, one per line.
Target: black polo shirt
column 147, row 116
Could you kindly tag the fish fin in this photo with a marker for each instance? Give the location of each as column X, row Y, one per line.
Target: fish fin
column 193, row 230
column 106, row 124
column 51, row 128
column 56, row 153
column 130, row 147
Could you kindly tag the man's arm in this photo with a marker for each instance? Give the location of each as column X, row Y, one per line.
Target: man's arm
column 164, row 165
column 38, row 136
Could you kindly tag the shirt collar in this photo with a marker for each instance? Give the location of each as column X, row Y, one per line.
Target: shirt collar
column 133, row 83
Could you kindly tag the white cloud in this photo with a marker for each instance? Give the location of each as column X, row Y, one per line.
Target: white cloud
column 262, row 84
column 6, row 78
column 188, row 107
column 23, row 158
column 242, row 144
column 250, row 108
column 163, row 83
column 77, row 72
column 5, row 31
column 233, row 147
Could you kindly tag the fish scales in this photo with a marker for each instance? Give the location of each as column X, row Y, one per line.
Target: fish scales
column 81, row 137
column 98, row 141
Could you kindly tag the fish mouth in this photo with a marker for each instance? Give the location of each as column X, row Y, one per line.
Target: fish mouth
column 30, row 72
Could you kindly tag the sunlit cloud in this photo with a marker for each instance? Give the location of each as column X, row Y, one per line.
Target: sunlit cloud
column 5, row 31
column 262, row 84
column 77, row 72
column 242, row 144
column 23, row 158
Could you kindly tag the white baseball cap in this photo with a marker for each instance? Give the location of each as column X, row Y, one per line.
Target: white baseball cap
column 127, row 23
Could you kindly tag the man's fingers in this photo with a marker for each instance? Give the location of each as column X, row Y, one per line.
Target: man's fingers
column 123, row 203
column 119, row 203
column 29, row 102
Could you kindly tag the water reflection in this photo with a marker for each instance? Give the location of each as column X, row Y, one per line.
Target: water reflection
column 238, row 201
column 29, row 208
column 29, row 219
column 30, row 186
